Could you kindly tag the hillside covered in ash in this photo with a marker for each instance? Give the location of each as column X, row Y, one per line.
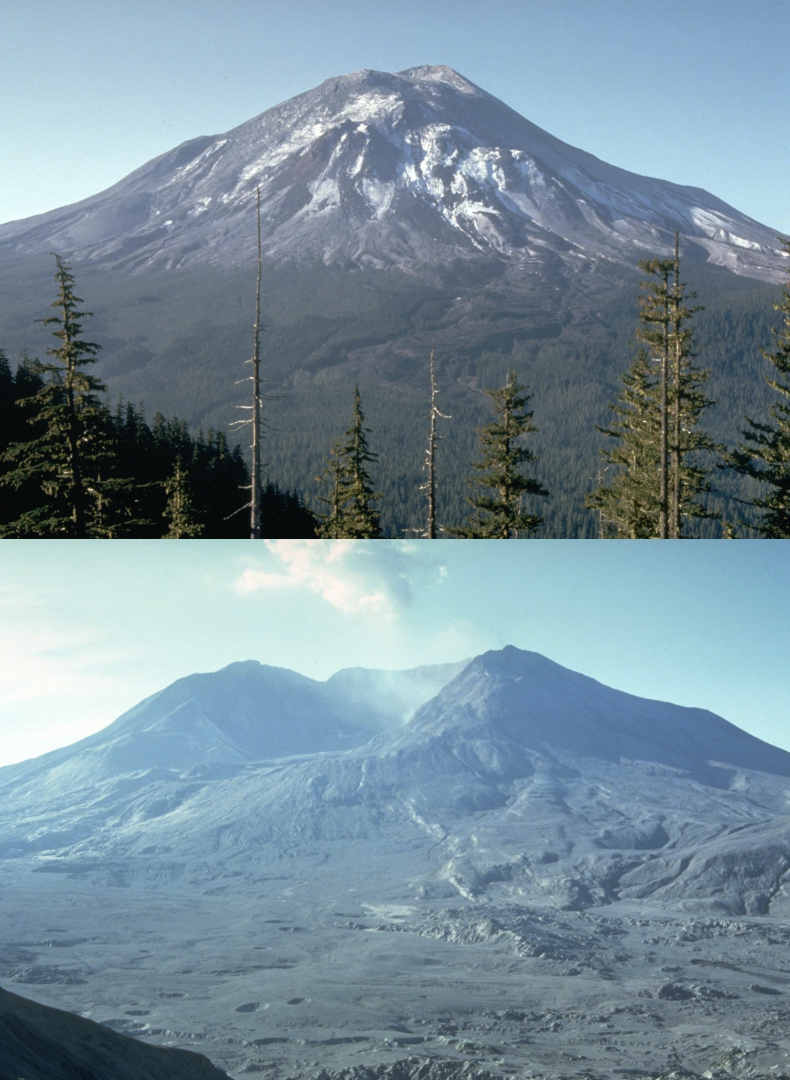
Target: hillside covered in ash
column 508, row 868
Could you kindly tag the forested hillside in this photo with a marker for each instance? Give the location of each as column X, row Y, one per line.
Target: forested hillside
column 175, row 344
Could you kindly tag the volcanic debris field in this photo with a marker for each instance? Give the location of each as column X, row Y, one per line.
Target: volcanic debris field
column 533, row 875
column 297, row 979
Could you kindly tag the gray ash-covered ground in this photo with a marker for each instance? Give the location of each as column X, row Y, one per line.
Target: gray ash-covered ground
column 315, row 977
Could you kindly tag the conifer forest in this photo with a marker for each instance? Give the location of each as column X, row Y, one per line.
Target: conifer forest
column 76, row 463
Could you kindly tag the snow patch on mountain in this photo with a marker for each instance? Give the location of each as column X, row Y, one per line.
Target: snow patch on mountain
column 414, row 169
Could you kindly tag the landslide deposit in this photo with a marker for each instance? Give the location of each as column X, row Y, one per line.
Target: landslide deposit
column 530, row 875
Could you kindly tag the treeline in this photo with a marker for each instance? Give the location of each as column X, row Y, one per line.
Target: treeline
column 157, row 480
column 659, row 475
column 72, row 467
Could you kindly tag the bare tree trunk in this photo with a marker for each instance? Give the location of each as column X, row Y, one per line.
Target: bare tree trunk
column 663, row 494
column 254, row 409
column 255, row 473
column 430, row 460
column 430, row 457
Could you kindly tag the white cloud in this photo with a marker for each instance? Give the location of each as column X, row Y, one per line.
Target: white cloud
column 355, row 576
column 44, row 661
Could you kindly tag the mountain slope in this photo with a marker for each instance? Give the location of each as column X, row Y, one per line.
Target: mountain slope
column 50, row 1044
column 415, row 169
column 402, row 213
column 526, row 702
column 243, row 713
column 536, row 875
column 520, row 778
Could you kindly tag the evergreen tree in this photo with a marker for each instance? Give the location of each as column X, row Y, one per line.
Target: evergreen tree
column 7, row 401
column 180, row 512
column 71, row 458
column 660, row 449
column 116, row 511
column 331, row 524
column 352, row 512
column 687, row 444
column 6, row 391
column 765, row 453
column 191, row 482
column 502, row 457
column 655, row 316
column 28, row 379
column 18, row 422
column 7, row 416
column 629, row 507
column 285, row 514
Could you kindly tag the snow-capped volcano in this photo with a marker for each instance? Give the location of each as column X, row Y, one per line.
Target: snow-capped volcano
column 413, row 169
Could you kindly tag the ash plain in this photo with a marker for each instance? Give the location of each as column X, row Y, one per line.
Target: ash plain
column 296, row 971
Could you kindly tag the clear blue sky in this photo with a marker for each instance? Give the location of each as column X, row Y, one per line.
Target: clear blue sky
column 693, row 91
column 87, row 629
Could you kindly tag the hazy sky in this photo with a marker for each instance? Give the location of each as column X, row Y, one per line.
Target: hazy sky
column 87, row 629
column 693, row 91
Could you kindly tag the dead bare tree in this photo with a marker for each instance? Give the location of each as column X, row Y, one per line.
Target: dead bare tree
column 430, row 456
column 255, row 419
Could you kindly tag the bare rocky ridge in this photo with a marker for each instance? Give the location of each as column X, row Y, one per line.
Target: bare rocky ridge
column 415, row 169
column 243, row 713
column 535, row 875
column 649, row 798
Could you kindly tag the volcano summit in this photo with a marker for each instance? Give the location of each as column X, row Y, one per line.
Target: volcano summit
column 415, row 169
